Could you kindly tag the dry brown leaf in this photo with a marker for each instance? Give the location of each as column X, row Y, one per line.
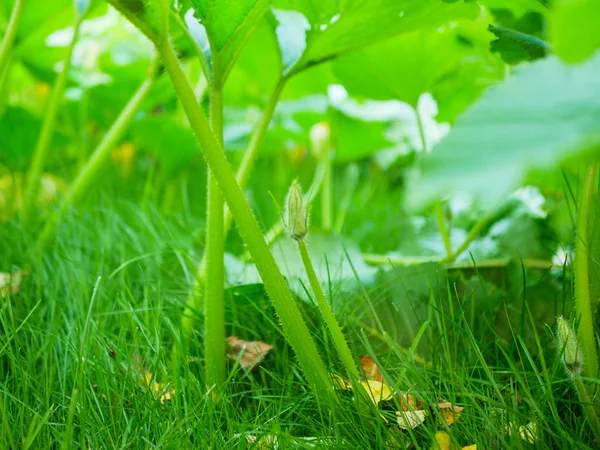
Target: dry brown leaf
column 451, row 413
column 408, row 402
column 371, row 370
column 10, row 283
column 410, row 419
column 249, row 354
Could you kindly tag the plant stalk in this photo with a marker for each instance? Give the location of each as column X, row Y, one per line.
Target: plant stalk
column 444, row 230
column 214, row 305
column 588, row 407
column 293, row 325
column 334, row 328
column 243, row 173
column 47, row 131
column 89, row 174
column 583, row 303
column 475, row 231
column 9, row 35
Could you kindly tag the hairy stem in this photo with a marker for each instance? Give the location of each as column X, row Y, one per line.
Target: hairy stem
column 45, row 138
column 89, row 174
column 279, row 293
column 243, row 173
column 583, row 303
column 334, row 328
column 588, row 408
column 9, row 35
column 214, row 306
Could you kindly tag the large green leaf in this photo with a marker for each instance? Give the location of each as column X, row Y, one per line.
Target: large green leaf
column 548, row 111
column 574, row 28
column 336, row 27
column 401, row 68
column 228, row 25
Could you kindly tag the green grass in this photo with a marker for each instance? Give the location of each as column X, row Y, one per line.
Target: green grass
column 61, row 386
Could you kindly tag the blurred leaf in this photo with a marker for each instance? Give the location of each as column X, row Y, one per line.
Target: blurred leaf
column 516, row 47
column 228, row 25
column 81, row 6
column 401, row 68
column 10, row 283
column 11, row 192
column 545, row 113
column 173, row 145
column 355, row 139
column 248, row 354
column 574, row 28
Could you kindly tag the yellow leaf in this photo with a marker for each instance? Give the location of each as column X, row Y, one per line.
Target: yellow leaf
column 444, row 442
column 339, row 382
column 410, row 419
column 377, row 390
column 123, row 156
column 529, row 432
column 450, row 413
column 10, row 283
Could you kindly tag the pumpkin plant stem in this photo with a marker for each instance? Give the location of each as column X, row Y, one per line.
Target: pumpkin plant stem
column 587, row 406
column 583, row 304
column 214, row 306
column 9, row 35
column 243, row 173
column 330, row 320
column 91, row 171
column 45, row 138
column 444, row 231
column 291, row 320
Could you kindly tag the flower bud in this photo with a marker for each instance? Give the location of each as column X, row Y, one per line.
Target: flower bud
column 319, row 139
column 297, row 219
column 572, row 357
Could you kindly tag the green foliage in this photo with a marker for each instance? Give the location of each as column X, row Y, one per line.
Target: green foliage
column 574, row 29
column 540, row 117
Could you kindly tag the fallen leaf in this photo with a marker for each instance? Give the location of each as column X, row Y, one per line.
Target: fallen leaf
column 10, row 283
column 377, row 390
column 529, row 432
column 123, row 156
column 410, row 419
column 339, row 382
column 444, row 442
column 263, row 443
column 408, row 402
column 371, row 370
column 451, row 413
column 160, row 391
column 248, row 354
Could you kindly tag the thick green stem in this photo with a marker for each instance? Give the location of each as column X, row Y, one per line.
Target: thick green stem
column 243, row 173
column 45, row 138
column 583, row 304
column 214, row 306
column 588, row 407
column 89, row 174
column 279, row 293
column 9, row 35
column 334, row 328
column 444, row 231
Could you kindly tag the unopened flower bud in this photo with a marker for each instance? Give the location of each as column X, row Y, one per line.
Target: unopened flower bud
column 572, row 357
column 297, row 220
column 320, row 139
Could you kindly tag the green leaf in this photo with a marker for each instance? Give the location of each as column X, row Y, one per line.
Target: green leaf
column 516, row 47
column 401, row 68
column 548, row 111
column 335, row 30
column 81, row 7
column 574, row 28
column 356, row 139
column 228, row 25
column 173, row 145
